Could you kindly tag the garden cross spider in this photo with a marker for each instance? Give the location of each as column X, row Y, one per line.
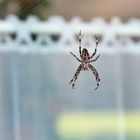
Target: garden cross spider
column 85, row 62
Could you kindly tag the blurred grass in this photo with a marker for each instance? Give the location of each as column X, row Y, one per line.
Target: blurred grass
column 95, row 123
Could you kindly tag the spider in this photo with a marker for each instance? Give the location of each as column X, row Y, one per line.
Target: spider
column 85, row 62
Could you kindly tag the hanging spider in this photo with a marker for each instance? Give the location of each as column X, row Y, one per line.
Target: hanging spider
column 85, row 62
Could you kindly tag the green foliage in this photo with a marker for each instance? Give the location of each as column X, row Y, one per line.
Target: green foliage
column 28, row 7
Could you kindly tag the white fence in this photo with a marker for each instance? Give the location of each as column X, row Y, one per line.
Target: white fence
column 57, row 32
column 35, row 69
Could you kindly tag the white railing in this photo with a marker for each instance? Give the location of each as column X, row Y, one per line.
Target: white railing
column 57, row 32
column 30, row 83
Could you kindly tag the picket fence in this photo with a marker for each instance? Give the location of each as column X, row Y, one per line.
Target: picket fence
column 35, row 68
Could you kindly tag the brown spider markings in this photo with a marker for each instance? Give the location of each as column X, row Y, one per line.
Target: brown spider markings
column 85, row 62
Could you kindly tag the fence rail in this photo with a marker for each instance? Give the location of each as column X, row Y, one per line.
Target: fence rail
column 55, row 31
column 34, row 88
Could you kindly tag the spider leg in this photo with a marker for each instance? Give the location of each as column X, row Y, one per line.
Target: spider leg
column 94, row 59
column 75, row 57
column 73, row 80
column 79, row 39
column 95, row 74
column 97, row 42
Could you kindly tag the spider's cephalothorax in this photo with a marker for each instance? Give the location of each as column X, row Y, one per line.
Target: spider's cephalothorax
column 85, row 55
column 85, row 62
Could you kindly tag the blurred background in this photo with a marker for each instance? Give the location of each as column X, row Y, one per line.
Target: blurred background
column 36, row 101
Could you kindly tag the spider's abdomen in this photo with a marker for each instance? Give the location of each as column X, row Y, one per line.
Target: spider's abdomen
column 85, row 55
column 85, row 66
